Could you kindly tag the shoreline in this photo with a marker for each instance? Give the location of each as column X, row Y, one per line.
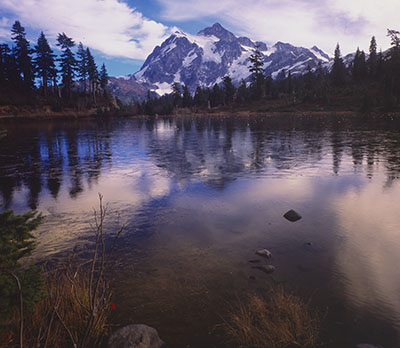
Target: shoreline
column 93, row 114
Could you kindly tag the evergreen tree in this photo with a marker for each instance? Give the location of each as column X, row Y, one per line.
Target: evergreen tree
column 82, row 66
column 93, row 74
column 308, row 79
column 200, row 99
column 359, row 67
column 373, row 58
column 392, row 71
column 216, row 96
column 44, row 61
column 16, row 242
column 5, row 65
column 176, row 94
column 229, row 90
column 242, row 93
column 257, row 72
column 186, row 98
column 338, row 73
column 68, row 62
column 103, row 77
column 22, row 53
column 289, row 83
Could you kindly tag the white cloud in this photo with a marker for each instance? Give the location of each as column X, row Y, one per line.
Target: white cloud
column 300, row 22
column 109, row 26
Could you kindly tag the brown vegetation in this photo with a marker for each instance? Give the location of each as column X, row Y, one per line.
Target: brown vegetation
column 280, row 320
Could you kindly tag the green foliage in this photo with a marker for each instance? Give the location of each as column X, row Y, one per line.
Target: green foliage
column 16, row 242
column 18, row 71
column 16, row 239
column 44, row 62
column 103, row 77
column 338, row 73
column 257, row 73
column 229, row 90
column 67, row 61
column 22, row 53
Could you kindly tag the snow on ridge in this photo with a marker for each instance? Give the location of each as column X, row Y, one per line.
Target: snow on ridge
column 199, row 40
column 141, row 72
column 318, row 55
column 168, row 48
column 269, row 51
column 247, row 48
column 189, row 59
column 162, row 88
column 239, row 69
column 124, row 77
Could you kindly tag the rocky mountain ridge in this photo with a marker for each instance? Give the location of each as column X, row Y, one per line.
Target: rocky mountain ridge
column 204, row 59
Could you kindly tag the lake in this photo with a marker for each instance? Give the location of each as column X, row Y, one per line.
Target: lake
column 200, row 194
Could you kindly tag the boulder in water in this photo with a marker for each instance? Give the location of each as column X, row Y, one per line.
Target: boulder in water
column 264, row 252
column 135, row 336
column 292, row 216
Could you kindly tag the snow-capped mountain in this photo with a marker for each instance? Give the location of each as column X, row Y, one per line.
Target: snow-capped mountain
column 204, row 59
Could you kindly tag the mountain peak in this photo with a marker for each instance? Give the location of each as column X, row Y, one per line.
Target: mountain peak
column 219, row 31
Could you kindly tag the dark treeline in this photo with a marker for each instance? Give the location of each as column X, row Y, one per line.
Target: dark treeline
column 35, row 76
column 369, row 82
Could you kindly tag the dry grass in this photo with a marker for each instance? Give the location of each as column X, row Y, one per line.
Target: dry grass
column 60, row 320
column 280, row 320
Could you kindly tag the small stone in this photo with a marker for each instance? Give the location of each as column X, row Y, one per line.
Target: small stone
column 265, row 268
column 135, row 336
column 252, row 277
column 254, row 261
column 264, row 252
column 292, row 216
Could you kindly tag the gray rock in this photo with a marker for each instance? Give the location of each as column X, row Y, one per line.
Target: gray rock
column 265, row 268
column 264, row 252
column 135, row 336
column 292, row 215
column 366, row 345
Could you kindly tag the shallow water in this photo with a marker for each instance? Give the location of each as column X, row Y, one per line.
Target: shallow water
column 200, row 194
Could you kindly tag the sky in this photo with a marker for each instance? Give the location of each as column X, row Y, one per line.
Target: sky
column 122, row 33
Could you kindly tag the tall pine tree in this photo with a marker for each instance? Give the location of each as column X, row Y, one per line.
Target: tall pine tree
column 372, row 59
column 44, row 62
column 22, row 53
column 93, row 74
column 103, row 77
column 257, row 72
column 68, row 62
column 82, row 65
column 338, row 73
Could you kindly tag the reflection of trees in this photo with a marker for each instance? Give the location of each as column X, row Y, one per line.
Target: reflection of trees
column 55, row 163
column 33, row 175
column 215, row 149
column 33, row 157
column 221, row 149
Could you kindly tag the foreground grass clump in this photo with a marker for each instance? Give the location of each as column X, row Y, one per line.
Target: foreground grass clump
column 280, row 320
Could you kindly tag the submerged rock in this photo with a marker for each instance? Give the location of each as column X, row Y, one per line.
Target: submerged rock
column 265, row 268
column 264, row 252
column 135, row 336
column 292, row 215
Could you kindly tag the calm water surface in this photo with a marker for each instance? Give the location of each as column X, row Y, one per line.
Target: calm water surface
column 199, row 195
